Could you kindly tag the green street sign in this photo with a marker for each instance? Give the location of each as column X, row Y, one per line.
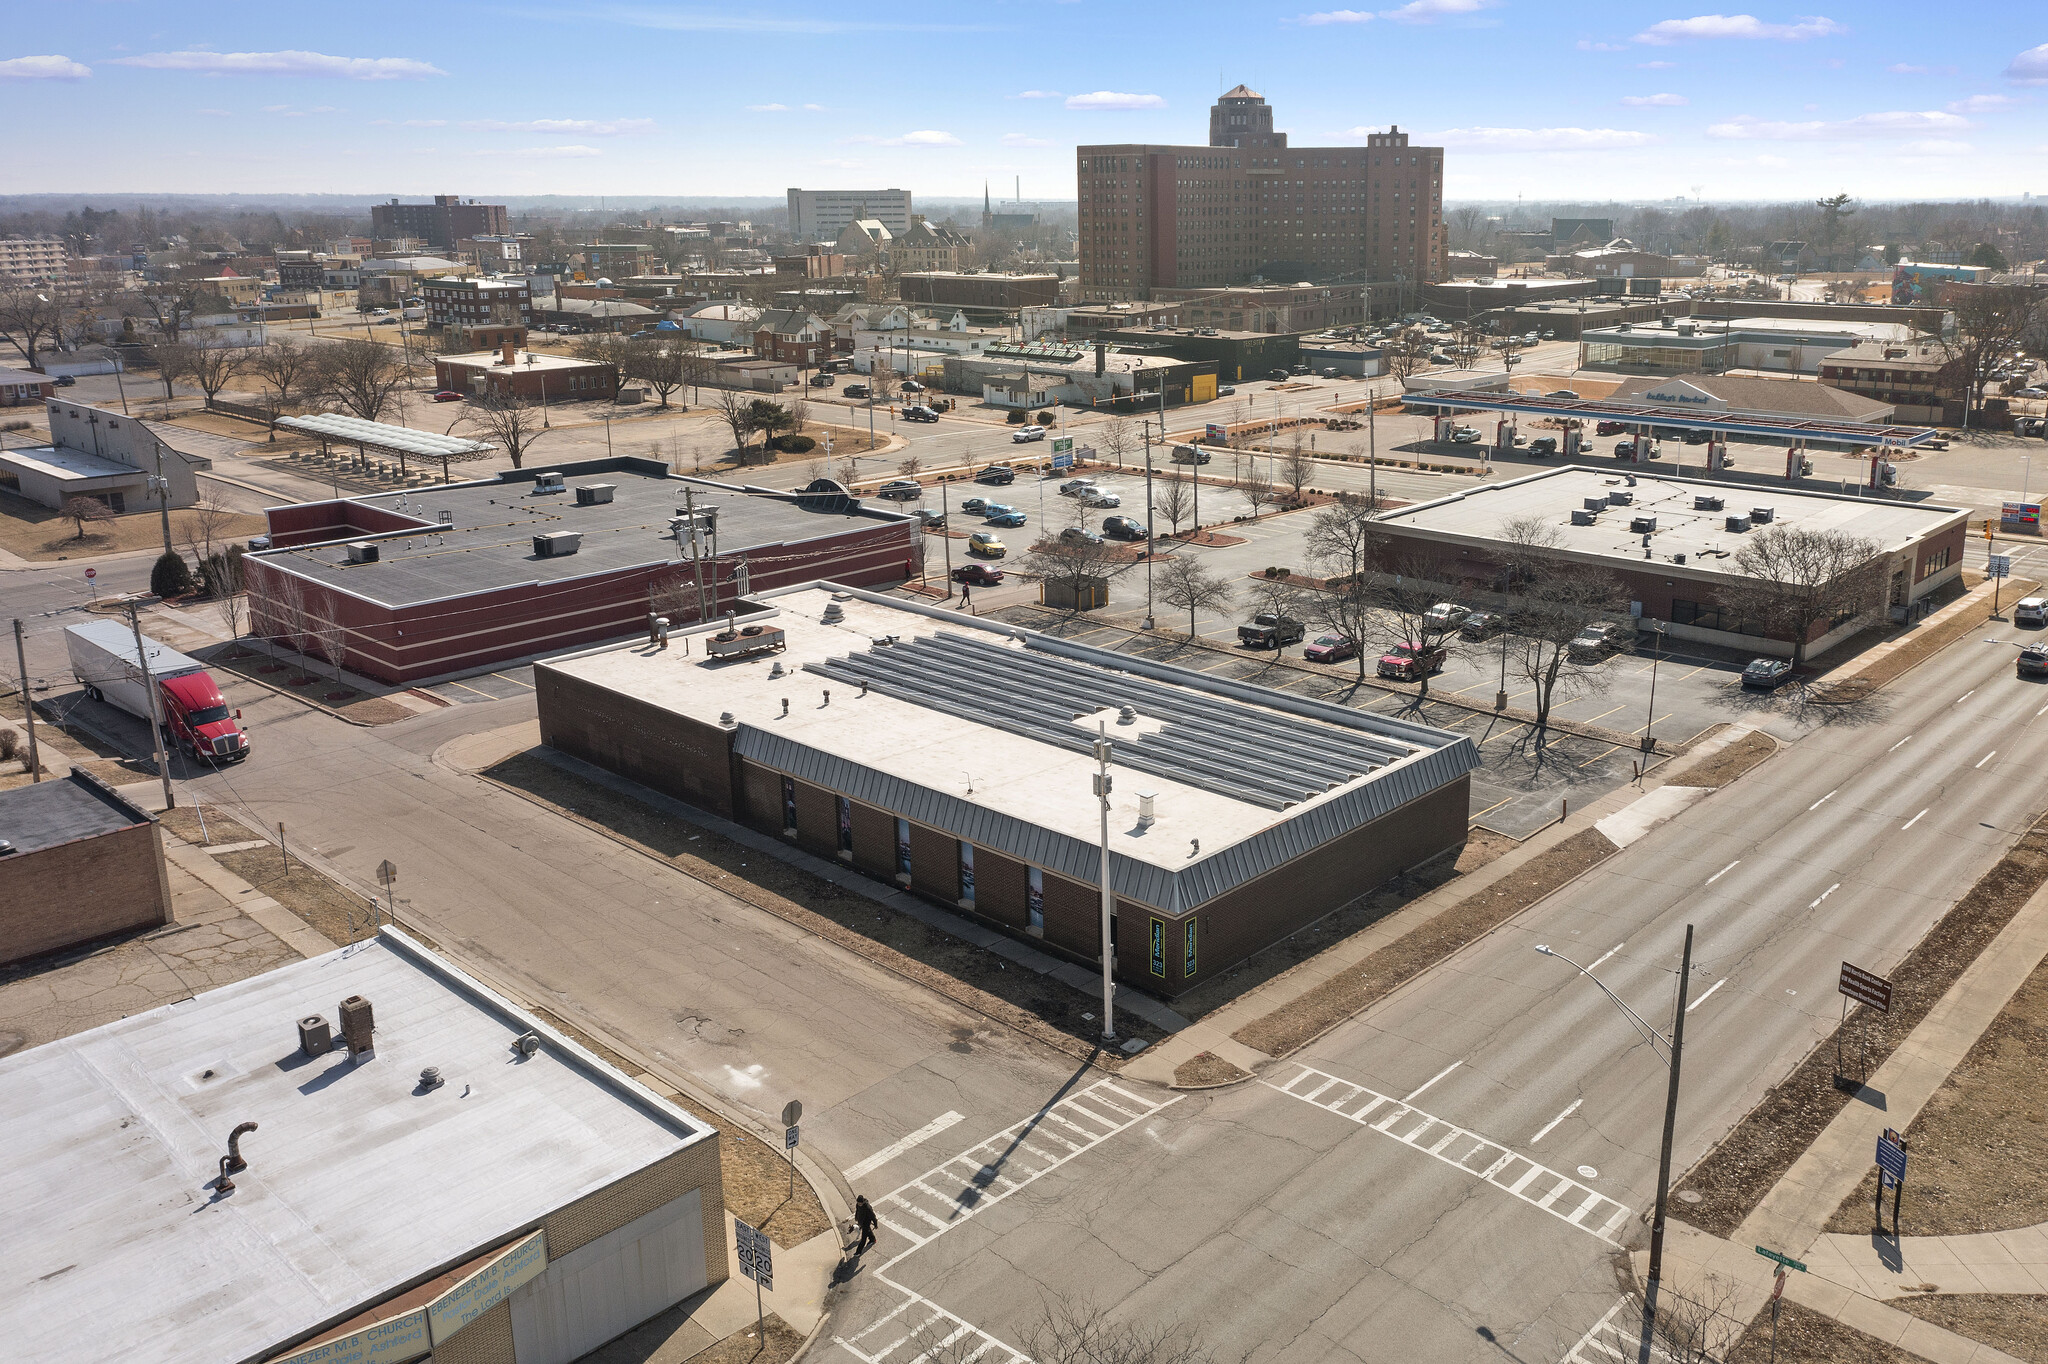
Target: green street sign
column 1785, row 1260
column 1062, row 445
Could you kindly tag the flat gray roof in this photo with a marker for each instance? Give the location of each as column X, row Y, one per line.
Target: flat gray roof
column 385, row 436
column 45, row 813
column 358, row 1184
column 1479, row 514
column 488, row 541
column 55, row 461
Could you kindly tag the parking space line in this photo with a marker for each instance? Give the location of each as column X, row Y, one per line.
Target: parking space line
column 1505, row 733
column 515, row 681
column 474, row 692
column 1598, row 756
column 1665, row 716
column 1495, row 806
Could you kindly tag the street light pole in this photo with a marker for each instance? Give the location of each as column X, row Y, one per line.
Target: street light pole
column 1108, row 894
column 1650, row 717
column 1148, row 516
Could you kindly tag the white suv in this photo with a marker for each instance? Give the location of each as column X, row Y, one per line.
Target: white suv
column 1027, row 433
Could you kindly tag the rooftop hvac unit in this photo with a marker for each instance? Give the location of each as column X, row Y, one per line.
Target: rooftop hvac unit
column 1678, row 558
column 556, row 544
column 1643, row 525
column 1594, row 504
column 1763, row 516
column 1704, row 503
column 1738, row 523
column 595, row 494
column 1582, row 517
column 1621, row 498
column 362, row 552
column 548, row 483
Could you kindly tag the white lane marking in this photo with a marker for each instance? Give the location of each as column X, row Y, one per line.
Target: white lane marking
column 1985, row 759
column 1824, row 894
column 1430, row 1081
column 1605, row 955
column 897, row 1148
column 1914, row 820
column 1703, row 998
column 1481, row 1158
column 1724, row 871
column 1555, row 1121
column 1966, row 696
column 1822, row 801
column 2041, row 712
column 1900, row 744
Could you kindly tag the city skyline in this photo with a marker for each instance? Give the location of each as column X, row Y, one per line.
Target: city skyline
column 1617, row 102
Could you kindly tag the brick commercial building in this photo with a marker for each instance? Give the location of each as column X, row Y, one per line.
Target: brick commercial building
column 473, row 303
column 954, row 289
column 80, row 863
column 528, row 374
column 1248, row 204
column 33, row 260
column 1275, row 307
column 952, row 755
column 468, row 575
column 1694, row 527
column 366, row 1156
column 1919, row 380
column 441, row 224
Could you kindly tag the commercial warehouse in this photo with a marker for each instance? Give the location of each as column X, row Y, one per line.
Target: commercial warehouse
column 365, row 1156
column 1693, row 530
column 407, row 586
column 953, row 755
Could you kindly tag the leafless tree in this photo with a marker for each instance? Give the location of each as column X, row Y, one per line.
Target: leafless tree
column 1991, row 320
column 510, row 422
column 1343, row 541
column 882, row 383
column 1279, row 598
column 911, row 468
column 1071, row 565
column 1407, row 352
column 735, row 409
column 213, row 368
column 206, row 524
column 173, row 361
column 1174, row 499
column 1185, row 583
column 30, row 317
column 1418, row 581
column 1792, row 580
column 172, row 305
column 85, row 511
column 673, row 593
column 362, row 376
column 285, row 366
column 1116, row 439
column 326, row 636
column 1258, row 490
column 1696, row 1328
column 798, row 405
column 1553, row 601
column 278, row 612
column 1297, row 467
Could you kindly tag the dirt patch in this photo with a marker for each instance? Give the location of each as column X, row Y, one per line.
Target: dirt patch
column 1043, row 1008
column 333, row 911
column 1811, row 1337
column 1207, row 1070
column 1718, row 769
column 2016, row 1323
column 1365, row 983
column 36, row 532
column 316, row 686
column 1980, row 1146
column 1734, row 1177
column 756, row 1177
column 185, row 822
column 1928, row 641
column 745, row 1347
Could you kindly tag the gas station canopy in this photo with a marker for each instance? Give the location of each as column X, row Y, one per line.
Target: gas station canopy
column 382, row 436
column 1759, row 425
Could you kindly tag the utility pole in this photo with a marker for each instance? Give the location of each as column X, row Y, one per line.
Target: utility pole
column 28, row 710
column 1108, row 894
column 946, row 532
column 696, row 551
column 156, row 728
column 1664, row 1156
column 163, row 495
column 1372, row 455
column 1148, row 517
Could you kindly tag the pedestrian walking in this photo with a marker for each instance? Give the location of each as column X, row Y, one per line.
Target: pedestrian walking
column 965, row 604
column 864, row 1218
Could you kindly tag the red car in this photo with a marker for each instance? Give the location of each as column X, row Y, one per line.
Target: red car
column 1330, row 649
column 1407, row 662
column 1609, row 428
column 979, row 575
column 449, row 395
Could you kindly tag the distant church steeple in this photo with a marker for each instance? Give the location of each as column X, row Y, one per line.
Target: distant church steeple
column 988, row 215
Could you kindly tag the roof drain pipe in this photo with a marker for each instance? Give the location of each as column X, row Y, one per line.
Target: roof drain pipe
column 232, row 1163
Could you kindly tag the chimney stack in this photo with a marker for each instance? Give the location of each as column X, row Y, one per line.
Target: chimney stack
column 510, row 348
column 1101, row 354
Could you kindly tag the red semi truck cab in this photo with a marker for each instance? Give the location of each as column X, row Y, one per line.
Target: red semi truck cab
column 197, row 717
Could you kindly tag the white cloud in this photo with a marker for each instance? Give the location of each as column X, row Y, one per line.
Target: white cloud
column 1587, row 45
column 1908, row 69
column 2030, row 67
column 767, row 108
column 1655, row 101
column 1020, row 140
column 1336, row 16
column 1981, row 104
column 50, row 68
column 1669, row 31
column 1655, row 66
column 1429, row 11
column 572, row 152
column 1539, row 139
column 1036, row 94
column 577, row 127
column 1113, row 99
column 285, row 64
column 1895, row 123
column 814, row 108
column 924, row 137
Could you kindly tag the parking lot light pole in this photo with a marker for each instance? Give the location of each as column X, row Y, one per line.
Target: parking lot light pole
column 1108, row 894
column 1650, row 716
column 1149, row 624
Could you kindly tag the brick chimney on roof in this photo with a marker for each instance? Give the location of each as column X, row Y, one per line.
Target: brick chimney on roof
column 510, row 347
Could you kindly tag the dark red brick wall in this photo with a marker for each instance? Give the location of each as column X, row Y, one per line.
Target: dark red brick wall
column 676, row 756
column 934, row 864
column 874, row 839
column 1073, row 915
column 760, row 798
column 817, row 819
column 1002, row 889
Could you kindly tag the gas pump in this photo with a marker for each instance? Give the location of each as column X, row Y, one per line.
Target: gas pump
column 1797, row 465
column 1717, row 455
column 1504, row 436
column 1441, row 429
column 1573, row 436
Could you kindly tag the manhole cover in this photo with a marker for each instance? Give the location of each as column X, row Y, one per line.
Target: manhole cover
column 1688, row 1196
column 1588, row 1172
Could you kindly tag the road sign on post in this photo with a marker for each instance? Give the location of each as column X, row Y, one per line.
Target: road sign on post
column 1866, row 987
column 792, row 1112
column 756, row 1255
column 1785, row 1260
column 1998, row 566
column 1891, row 1165
column 789, row 1137
column 1218, row 434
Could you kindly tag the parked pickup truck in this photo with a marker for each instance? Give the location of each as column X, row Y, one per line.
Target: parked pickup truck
column 195, row 716
column 1411, row 661
column 1268, row 631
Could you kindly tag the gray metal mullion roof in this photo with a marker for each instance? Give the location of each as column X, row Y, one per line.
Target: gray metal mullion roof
column 1181, row 753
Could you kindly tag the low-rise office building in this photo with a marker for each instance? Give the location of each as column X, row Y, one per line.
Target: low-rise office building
column 1689, row 346
column 537, row 376
column 368, row 1156
column 1237, row 355
column 953, row 755
column 105, row 455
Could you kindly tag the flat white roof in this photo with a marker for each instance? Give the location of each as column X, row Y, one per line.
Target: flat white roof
column 1010, row 737
column 1480, row 513
column 522, row 360
column 358, row 1184
column 54, row 461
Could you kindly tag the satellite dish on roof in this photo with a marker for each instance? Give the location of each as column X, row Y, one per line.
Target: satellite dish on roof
column 604, row 282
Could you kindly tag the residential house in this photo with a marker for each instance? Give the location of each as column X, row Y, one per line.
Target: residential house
column 792, row 336
column 722, row 324
column 18, row 386
column 928, row 247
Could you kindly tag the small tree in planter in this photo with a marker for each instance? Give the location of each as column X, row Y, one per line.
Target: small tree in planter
column 171, row 576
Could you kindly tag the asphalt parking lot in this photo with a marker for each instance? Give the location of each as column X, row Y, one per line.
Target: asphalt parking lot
column 501, row 685
column 1049, row 511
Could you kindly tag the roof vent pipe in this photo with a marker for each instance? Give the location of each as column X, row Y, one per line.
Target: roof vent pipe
column 1128, row 715
column 232, row 1163
column 1145, row 816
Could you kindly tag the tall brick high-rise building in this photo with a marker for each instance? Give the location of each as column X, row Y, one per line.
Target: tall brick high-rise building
column 442, row 223
column 1248, row 204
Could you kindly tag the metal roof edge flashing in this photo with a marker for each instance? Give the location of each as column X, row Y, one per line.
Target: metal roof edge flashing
column 564, row 1047
column 612, row 646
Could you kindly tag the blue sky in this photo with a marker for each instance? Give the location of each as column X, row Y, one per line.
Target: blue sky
column 641, row 97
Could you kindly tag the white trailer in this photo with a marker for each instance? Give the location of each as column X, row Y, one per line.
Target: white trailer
column 104, row 661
